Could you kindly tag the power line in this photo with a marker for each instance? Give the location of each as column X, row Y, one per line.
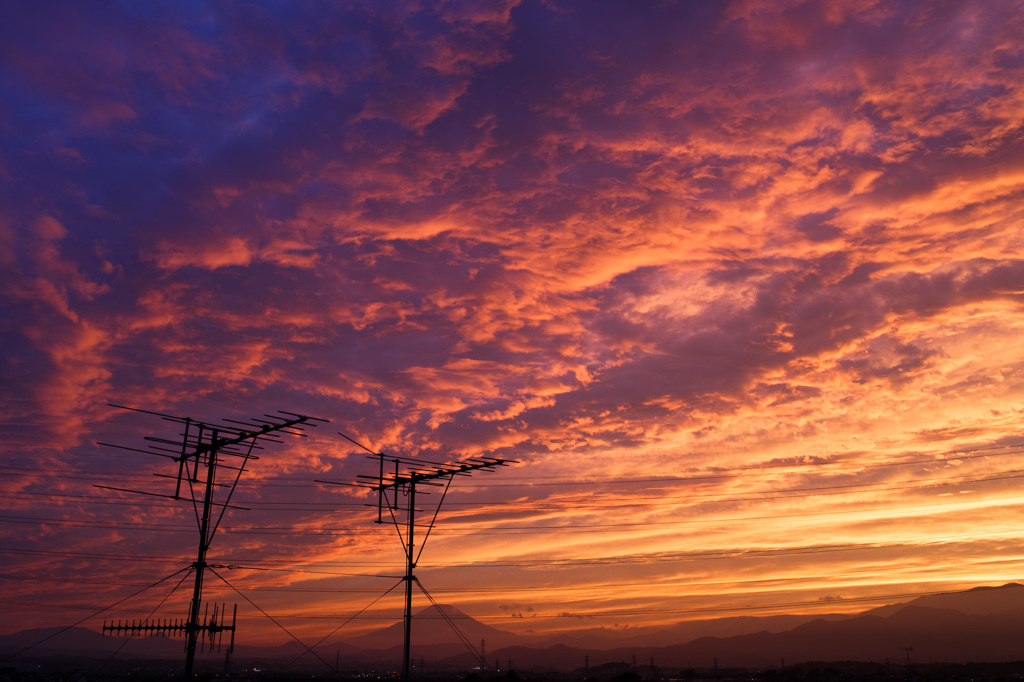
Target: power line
column 508, row 530
column 771, row 606
column 237, row 564
column 650, row 558
column 108, row 608
column 664, row 500
column 271, row 618
column 125, row 501
column 979, row 452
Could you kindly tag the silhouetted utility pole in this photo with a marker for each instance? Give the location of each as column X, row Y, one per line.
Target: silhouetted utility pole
column 401, row 484
column 908, row 650
column 205, row 444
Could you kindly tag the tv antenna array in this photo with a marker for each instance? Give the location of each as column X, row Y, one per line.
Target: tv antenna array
column 392, row 487
column 228, row 445
column 211, row 628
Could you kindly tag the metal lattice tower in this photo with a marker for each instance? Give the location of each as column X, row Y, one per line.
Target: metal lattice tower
column 392, row 486
column 210, row 445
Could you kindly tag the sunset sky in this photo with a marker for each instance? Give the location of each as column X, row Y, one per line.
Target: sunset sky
column 739, row 284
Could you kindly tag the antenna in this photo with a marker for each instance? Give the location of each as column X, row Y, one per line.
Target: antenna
column 213, row 625
column 408, row 473
column 207, row 444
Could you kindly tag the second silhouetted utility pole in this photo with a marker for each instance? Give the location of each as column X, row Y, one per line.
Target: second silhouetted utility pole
column 410, row 566
column 404, row 482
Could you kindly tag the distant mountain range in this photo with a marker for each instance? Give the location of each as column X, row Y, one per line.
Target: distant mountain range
column 982, row 624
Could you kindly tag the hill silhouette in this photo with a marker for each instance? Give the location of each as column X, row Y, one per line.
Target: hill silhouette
column 977, row 625
column 987, row 624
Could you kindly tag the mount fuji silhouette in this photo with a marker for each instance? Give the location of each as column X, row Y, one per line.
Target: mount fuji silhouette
column 438, row 632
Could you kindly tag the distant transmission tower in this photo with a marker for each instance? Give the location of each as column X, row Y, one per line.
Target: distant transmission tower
column 205, row 444
column 401, row 484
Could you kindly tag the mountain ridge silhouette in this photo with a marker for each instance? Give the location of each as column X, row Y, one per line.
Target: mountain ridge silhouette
column 976, row 625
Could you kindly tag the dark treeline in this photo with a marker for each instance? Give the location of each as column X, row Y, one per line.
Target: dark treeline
column 59, row 669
